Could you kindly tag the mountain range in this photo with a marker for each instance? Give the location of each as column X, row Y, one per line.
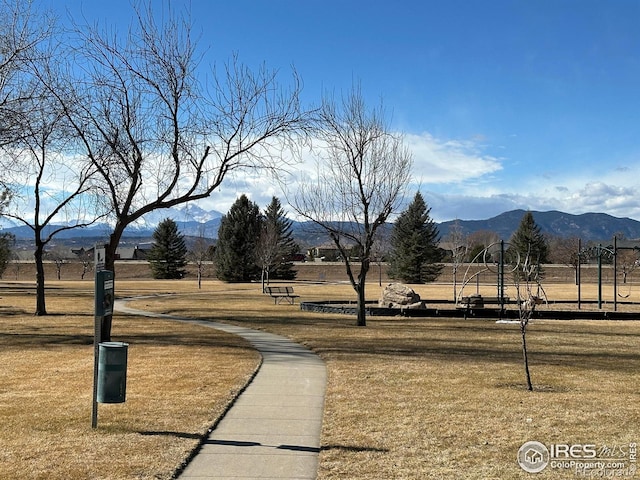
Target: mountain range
column 193, row 221
column 587, row 226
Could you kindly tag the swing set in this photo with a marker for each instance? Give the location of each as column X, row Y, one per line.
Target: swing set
column 499, row 260
column 611, row 251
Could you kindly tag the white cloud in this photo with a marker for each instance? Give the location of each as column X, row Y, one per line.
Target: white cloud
column 459, row 179
column 258, row 186
column 439, row 161
column 598, row 197
column 436, row 163
column 611, row 199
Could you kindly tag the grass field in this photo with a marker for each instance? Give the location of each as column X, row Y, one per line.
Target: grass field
column 406, row 399
column 180, row 379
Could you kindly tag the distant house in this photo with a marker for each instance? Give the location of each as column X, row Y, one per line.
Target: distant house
column 83, row 253
column 23, row 255
column 122, row 253
column 326, row 252
column 132, row 253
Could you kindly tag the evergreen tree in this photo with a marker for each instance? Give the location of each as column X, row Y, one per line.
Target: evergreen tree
column 167, row 257
column 235, row 254
column 414, row 245
column 7, row 241
column 276, row 245
column 530, row 244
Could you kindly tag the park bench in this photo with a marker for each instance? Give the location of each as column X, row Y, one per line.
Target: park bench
column 477, row 302
column 280, row 293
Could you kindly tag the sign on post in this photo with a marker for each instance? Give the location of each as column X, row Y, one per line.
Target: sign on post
column 104, row 293
column 104, row 297
column 99, row 258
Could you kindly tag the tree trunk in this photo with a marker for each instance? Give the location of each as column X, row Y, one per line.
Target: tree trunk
column 523, row 331
column 110, row 264
column 110, row 252
column 455, row 284
column 41, row 308
column 361, row 320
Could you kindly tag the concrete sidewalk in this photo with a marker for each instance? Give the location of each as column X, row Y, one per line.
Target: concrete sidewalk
column 272, row 431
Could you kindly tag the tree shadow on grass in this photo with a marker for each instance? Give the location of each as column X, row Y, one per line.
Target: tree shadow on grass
column 192, row 436
column 462, row 340
column 353, row 448
column 41, row 338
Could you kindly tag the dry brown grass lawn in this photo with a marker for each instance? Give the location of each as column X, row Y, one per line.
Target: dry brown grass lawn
column 406, row 399
column 180, row 379
column 446, row 398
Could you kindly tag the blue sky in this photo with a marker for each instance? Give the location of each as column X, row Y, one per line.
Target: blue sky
column 505, row 104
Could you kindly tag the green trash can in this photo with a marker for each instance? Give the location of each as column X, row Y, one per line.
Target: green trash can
column 112, row 372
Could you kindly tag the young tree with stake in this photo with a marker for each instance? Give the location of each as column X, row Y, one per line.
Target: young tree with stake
column 527, row 278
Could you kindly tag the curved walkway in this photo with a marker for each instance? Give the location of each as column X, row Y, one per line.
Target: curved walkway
column 272, row 431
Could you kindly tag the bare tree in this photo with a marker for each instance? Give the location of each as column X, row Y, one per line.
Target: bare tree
column 267, row 250
column 157, row 136
column 458, row 244
column 200, row 254
column 380, row 250
column 52, row 191
column 60, row 257
column 275, row 246
column 565, row 251
column 480, row 240
column 86, row 258
column 362, row 175
column 22, row 29
column 530, row 295
column 45, row 186
column 627, row 258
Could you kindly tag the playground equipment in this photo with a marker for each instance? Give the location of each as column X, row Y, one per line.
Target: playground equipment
column 610, row 251
column 505, row 264
column 496, row 258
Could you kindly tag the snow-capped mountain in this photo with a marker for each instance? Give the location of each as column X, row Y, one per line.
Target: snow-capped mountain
column 192, row 220
column 184, row 214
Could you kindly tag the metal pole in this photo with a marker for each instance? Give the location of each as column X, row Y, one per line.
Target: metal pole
column 99, row 252
column 501, row 278
column 615, row 273
column 97, row 335
column 578, row 279
column 599, row 250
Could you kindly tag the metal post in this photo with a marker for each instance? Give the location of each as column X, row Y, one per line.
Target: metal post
column 599, row 251
column 501, row 278
column 99, row 263
column 578, row 279
column 97, row 338
column 615, row 273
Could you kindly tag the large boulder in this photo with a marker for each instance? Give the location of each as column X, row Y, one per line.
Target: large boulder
column 397, row 295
